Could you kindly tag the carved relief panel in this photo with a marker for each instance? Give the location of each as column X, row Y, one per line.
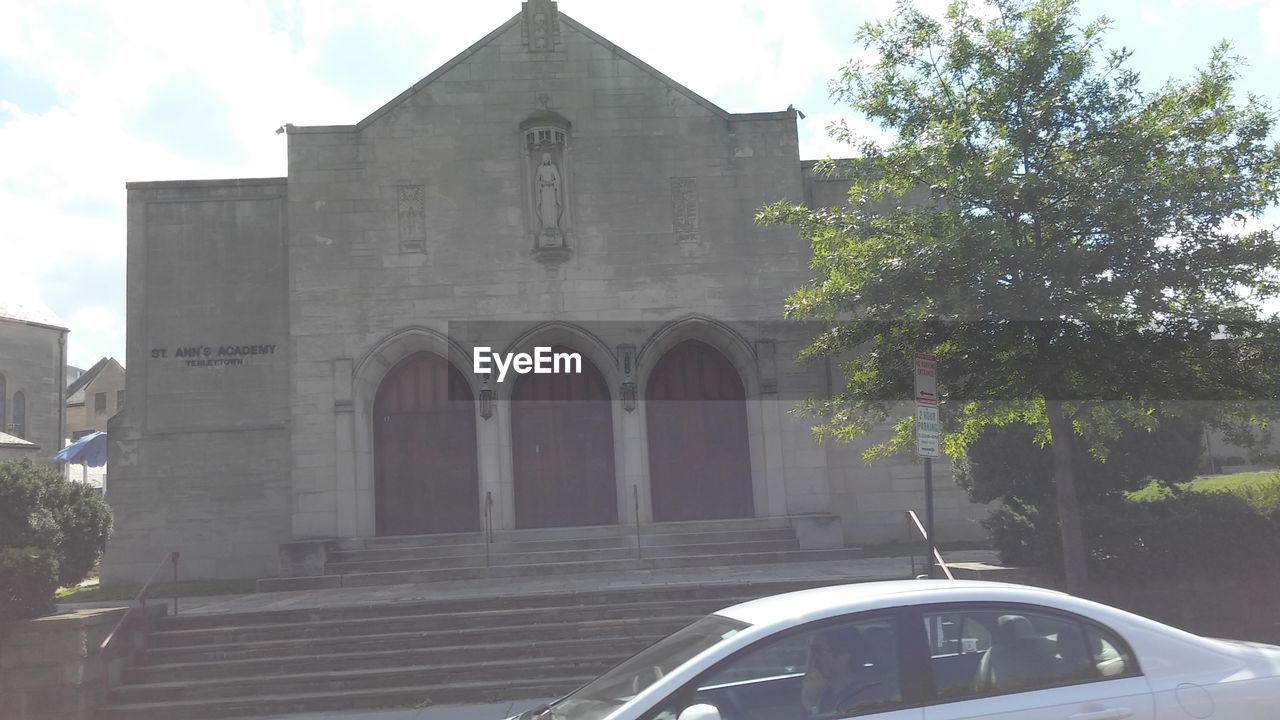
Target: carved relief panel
column 684, row 209
column 411, row 220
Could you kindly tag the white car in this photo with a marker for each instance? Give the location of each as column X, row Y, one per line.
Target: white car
column 931, row 650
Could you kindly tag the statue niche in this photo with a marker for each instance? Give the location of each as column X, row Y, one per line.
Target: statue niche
column 548, row 179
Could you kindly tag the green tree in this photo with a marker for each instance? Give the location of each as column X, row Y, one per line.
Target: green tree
column 1005, row 463
column 1081, row 251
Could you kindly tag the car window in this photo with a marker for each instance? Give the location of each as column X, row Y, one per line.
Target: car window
column 1109, row 656
column 611, row 690
column 836, row 670
column 996, row 651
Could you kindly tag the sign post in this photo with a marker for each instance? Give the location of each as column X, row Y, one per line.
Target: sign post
column 926, row 374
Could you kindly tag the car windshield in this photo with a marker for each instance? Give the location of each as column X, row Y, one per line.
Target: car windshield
column 606, row 693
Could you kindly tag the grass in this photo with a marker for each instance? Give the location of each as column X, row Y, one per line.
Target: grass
column 92, row 591
column 1252, row 485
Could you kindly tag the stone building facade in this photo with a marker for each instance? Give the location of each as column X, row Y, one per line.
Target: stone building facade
column 33, row 360
column 301, row 349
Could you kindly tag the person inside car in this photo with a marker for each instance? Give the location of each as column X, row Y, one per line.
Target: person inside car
column 838, row 680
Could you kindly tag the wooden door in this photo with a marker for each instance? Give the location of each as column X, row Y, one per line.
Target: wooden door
column 699, row 462
column 425, row 475
column 562, row 445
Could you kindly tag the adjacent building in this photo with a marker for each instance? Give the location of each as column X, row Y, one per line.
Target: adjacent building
column 94, row 396
column 33, row 360
column 302, row 350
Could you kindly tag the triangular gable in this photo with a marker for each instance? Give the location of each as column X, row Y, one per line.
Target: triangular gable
column 513, row 22
column 88, row 376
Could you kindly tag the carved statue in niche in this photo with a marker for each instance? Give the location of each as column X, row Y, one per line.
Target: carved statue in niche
column 549, row 203
column 549, row 185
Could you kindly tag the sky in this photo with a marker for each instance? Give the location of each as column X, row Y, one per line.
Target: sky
column 94, row 95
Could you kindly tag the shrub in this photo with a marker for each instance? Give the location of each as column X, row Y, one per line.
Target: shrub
column 1207, row 535
column 1264, row 496
column 85, row 521
column 39, row 508
column 28, row 580
column 25, row 517
column 1025, row 535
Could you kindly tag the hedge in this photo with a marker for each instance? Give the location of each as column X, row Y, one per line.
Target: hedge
column 1207, row 535
column 28, row 580
column 48, row 524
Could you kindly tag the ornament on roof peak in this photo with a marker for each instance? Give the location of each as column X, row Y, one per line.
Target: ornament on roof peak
column 541, row 27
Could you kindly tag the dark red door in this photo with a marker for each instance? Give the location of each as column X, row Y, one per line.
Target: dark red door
column 562, row 443
column 699, row 466
column 425, row 478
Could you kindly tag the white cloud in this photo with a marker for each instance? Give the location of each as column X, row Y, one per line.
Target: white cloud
column 816, row 142
column 1269, row 26
column 156, row 90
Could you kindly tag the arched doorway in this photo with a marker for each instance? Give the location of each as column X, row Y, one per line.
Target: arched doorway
column 424, row 435
column 699, row 461
column 562, row 446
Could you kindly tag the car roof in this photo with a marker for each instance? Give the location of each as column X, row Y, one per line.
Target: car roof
column 817, row 603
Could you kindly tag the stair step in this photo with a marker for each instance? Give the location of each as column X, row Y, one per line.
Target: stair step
column 361, row 564
column 399, row 577
column 413, row 654
column 485, row 620
column 726, row 594
column 412, row 640
column 614, row 542
column 388, row 697
column 566, row 533
column 495, row 672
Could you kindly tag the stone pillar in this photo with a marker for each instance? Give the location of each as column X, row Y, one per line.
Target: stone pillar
column 773, row 501
column 345, row 450
column 504, row 494
column 490, row 446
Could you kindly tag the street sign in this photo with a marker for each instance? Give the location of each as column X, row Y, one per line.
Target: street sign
column 927, row 432
column 926, row 371
column 926, row 367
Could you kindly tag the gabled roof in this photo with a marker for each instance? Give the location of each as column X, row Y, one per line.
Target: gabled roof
column 13, row 441
column 78, row 385
column 515, row 20
column 29, row 310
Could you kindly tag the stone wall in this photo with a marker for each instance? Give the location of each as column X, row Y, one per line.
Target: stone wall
column 198, row 460
column 50, row 668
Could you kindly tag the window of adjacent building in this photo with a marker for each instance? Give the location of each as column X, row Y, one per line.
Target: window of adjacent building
column 119, row 399
column 100, row 402
column 992, row 651
column 20, row 414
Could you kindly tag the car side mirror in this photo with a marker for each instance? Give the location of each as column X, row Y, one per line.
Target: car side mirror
column 700, row 712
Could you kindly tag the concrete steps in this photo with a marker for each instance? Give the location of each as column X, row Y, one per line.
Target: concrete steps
column 423, row 559
column 468, row 650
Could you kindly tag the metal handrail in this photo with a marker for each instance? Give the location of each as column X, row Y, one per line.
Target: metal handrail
column 635, row 496
column 488, row 524
column 914, row 520
column 141, row 600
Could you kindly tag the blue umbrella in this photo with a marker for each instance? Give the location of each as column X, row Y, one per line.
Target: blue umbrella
column 90, row 451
